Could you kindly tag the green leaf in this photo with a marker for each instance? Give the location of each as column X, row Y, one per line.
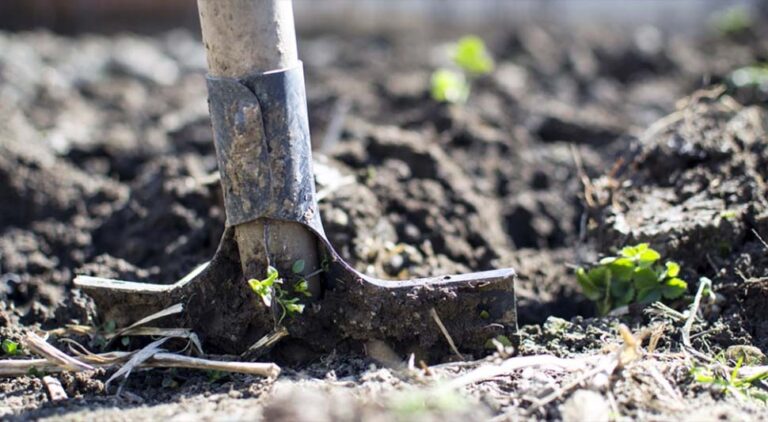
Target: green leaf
column 298, row 266
column 587, row 286
column 673, row 269
column 449, row 86
column 645, row 278
column 272, row 275
column 622, row 269
column 263, row 288
column 10, row 347
column 648, row 257
column 599, row 277
column 302, row 287
column 619, row 288
column 649, row 296
column 471, row 55
column 607, row 260
column 641, row 247
column 294, row 308
column 674, row 288
column 630, row 251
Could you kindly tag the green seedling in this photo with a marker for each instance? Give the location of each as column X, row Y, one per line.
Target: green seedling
column 635, row 276
column 271, row 287
column 449, row 86
column 732, row 383
column 302, row 288
column 472, row 59
column 502, row 339
column 755, row 76
column 734, row 20
column 10, row 347
column 471, row 55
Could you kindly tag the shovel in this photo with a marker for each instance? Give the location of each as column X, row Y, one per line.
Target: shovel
column 260, row 126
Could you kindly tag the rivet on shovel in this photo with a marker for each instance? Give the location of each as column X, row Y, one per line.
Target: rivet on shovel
column 259, row 116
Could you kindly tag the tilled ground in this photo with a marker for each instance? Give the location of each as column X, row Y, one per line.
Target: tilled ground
column 107, row 168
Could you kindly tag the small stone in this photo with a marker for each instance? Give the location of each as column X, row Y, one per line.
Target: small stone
column 586, row 405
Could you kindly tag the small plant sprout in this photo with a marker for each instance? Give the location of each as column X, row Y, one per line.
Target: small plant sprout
column 733, row 383
column 10, row 347
column 472, row 59
column 302, row 287
column 449, row 86
column 264, row 288
column 271, row 287
column 635, row 276
column 755, row 76
column 733, row 20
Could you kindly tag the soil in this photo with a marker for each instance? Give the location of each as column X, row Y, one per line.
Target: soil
column 582, row 140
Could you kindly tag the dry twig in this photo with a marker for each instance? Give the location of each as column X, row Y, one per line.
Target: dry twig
column 52, row 355
column 445, row 332
column 136, row 359
column 692, row 312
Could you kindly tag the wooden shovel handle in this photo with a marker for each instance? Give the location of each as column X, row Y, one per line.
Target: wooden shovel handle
column 243, row 37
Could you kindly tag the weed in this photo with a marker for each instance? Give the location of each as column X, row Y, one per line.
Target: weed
column 472, row 59
column 10, row 347
column 635, row 276
column 271, row 287
column 732, row 383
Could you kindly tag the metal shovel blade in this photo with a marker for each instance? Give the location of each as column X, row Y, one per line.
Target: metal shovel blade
column 227, row 316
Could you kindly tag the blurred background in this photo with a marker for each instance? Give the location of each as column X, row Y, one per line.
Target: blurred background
column 76, row 16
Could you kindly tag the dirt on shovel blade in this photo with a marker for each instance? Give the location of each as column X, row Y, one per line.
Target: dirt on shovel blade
column 581, row 141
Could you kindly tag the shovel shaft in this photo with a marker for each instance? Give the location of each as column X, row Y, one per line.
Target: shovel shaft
column 241, row 38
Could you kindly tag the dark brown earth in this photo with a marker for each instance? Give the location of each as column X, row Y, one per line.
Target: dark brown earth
column 107, row 168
